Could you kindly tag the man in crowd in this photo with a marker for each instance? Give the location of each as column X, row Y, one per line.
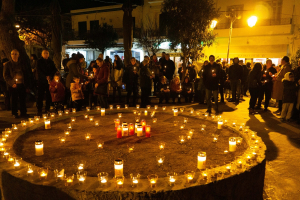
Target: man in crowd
column 46, row 70
column 211, row 78
column 131, row 79
column 169, row 68
column 235, row 75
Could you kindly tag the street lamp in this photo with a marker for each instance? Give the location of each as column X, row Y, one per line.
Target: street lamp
column 252, row 21
column 213, row 24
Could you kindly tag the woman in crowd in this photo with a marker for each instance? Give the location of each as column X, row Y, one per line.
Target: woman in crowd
column 145, row 82
column 187, row 90
column 176, row 89
column 163, row 91
column 116, row 77
column 200, row 86
column 131, row 79
column 101, row 80
column 254, row 85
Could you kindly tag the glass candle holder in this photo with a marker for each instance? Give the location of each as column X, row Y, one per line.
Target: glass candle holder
column 47, row 124
column 17, row 163
column 239, row 162
column 81, row 165
column 10, row 159
column 138, row 113
column 175, row 123
column 14, row 127
column 228, row 168
column 5, row 154
column 206, row 115
column 119, row 132
column 52, row 115
column 189, row 176
column 59, row 174
column 152, row 114
column 134, row 179
column 204, row 175
column 185, row 120
column 182, row 126
column 253, row 135
column 131, row 128
column 134, row 112
column 189, row 135
column 137, row 106
column 45, row 116
column 39, row 148
column 161, row 145
column 148, row 107
column 152, row 178
column 148, row 131
column 62, row 139
column 202, row 127
column 130, row 148
column 154, row 120
column 155, row 107
column 73, row 110
column 31, row 121
column 182, row 139
column 29, row 170
column 226, row 151
column 8, row 130
column 117, row 123
column 43, row 173
column 172, row 178
column 160, row 160
column 118, row 107
column 51, row 108
column 88, row 136
column 215, row 138
column 232, row 144
column 111, row 107
column 97, row 123
column 246, row 129
column 98, row 108
column 164, row 108
column 118, row 165
column 36, row 118
column 102, row 112
column 119, row 115
column 91, row 118
column 23, row 123
column 81, row 176
column 103, row 178
column 69, row 180
column 73, row 119
column 119, row 182
column 69, row 126
column 201, row 164
column 220, row 123
column 239, row 141
column 146, row 112
column 125, row 131
column 88, row 109
column 67, row 112
column 100, row 144
column 192, row 111
column 175, row 111
column 86, row 116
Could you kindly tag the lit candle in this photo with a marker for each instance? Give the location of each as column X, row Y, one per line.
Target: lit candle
column 81, row 166
column 52, row 115
column 172, row 178
column 226, row 152
column 228, row 168
column 69, row 180
column 81, row 176
column 14, row 127
column 203, row 126
column 73, row 110
column 119, row 115
column 239, row 141
column 137, row 106
column 119, row 131
column 134, row 180
column 87, row 136
column 100, row 144
column 126, row 106
column 139, row 130
column 215, row 138
column 98, row 108
column 125, row 130
column 43, row 173
column 181, row 109
column 118, row 164
column 185, row 120
column 192, row 111
column 102, row 112
column 45, row 116
column 201, row 160
column 86, row 116
column 148, row 130
column 189, row 176
column 23, row 123
column 91, row 118
column 154, row 120
column 234, row 123
column 103, row 177
column 39, row 148
column 111, row 107
column 160, row 160
column 16, row 164
column 67, row 132
column 67, row 112
column 69, row 126
column 253, row 135
column 88, row 109
column 164, row 108
column 73, row 119
column 175, row 112
column 239, row 162
column 175, row 123
column 119, row 181
column 117, row 123
column 62, row 139
column 29, row 170
column 97, row 123
column 189, row 135
column 146, row 112
column 181, row 139
column 130, row 148
column 220, row 124
column 47, row 124
column 246, row 129
column 31, row 121
column 161, row 146
column 232, row 144
column 131, row 129
column 152, row 179
column 182, row 126
column 156, row 107
column 143, row 122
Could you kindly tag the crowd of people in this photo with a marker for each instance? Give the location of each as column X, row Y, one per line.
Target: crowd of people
column 80, row 86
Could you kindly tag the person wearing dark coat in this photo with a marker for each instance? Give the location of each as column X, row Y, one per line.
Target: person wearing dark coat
column 168, row 68
column 163, row 90
column 131, row 79
column 267, row 85
column 145, row 82
column 211, row 78
column 65, row 62
column 187, row 90
column 235, row 75
column 46, row 70
column 18, row 77
column 254, row 86
column 162, row 61
column 155, row 70
column 222, row 82
column 101, row 80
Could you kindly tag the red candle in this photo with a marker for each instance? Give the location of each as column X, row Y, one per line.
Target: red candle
column 117, row 123
column 143, row 124
column 148, row 130
column 131, row 129
column 119, row 132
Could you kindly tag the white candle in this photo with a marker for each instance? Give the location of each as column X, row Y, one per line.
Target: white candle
column 146, row 112
column 220, row 124
column 118, row 168
column 139, row 129
column 125, row 130
column 175, row 112
column 232, row 144
column 47, row 124
column 102, row 111
column 39, row 148
column 201, row 160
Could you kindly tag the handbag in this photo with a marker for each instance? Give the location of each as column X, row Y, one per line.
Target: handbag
column 101, row 89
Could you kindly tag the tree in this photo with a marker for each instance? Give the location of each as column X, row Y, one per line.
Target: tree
column 102, row 37
column 188, row 25
column 150, row 37
column 295, row 58
column 127, row 30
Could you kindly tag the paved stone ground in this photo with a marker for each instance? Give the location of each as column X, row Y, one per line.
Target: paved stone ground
column 282, row 141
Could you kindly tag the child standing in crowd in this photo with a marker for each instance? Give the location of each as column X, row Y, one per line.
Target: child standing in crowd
column 77, row 94
column 289, row 96
column 57, row 91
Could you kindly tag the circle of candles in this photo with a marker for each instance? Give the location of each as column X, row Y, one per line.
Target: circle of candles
column 175, row 112
column 134, row 180
column 232, row 144
column 102, row 112
column 103, row 178
column 182, row 139
column 91, row 118
column 137, row 106
column 160, row 160
column 161, row 145
column 189, row 176
column 36, row 118
column 43, row 173
column 220, row 124
column 88, row 136
column 47, row 124
column 39, row 148
column 97, row 123
column 62, row 139
column 88, row 109
column 156, row 107
column 111, row 107
column 130, row 147
column 172, row 178
column 201, row 160
column 119, row 115
column 118, row 107
column 23, row 123
column 81, row 176
column 118, row 165
column 73, row 119
column 152, row 179
column 148, row 130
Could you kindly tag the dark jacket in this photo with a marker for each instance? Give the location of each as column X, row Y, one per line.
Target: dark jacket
column 162, row 86
column 58, row 93
column 211, row 82
column 254, row 79
column 9, row 73
column 130, row 78
column 74, row 70
column 45, row 68
column 169, row 69
column 155, row 67
column 246, row 71
column 101, row 76
column 145, row 73
column 187, row 87
column 235, row 72
column 289, row 91
column 192, row 73
column 268, row 80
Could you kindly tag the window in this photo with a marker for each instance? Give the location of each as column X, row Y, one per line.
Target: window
column 94, row 24
column 82, row 29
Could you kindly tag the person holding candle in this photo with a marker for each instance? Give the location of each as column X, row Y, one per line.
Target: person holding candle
column 200, row 93
column 46, row 70
column 77, row 94
column 145, row 82
column 176, row 89
column 235, row 75
column 101, row 80
column 89, row 96
column 17, row 76
column 169, row 68
column 254, row 85
column 131, row 79
column 163, row 90
column 57, row 91
column 187, row 90
column 211, row 78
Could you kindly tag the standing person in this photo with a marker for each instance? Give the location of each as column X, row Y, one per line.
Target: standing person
column 163, row 90
column 278, row 85
column 77, row 94
column 155, row 69
column 192, row 75
column 267, row 85
column 289, row 96
column 235, row 75
column 65, row 62
column 187, row 90
column 74, row 70
column 246, row 72
column 223, row 78
column 17, row 76
column 101, row 81
column 116, row 77
column 169, row 68
column 200, row 94
column 162, row 60
column 33, row 64
column 176, row 89
column 145, row 82
column 108, row 63
column 46, row 70
column 254, row 86
column 3, row 86
column 57, row 91
column 131, row 79
column 244, row 77
column 211, row 78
